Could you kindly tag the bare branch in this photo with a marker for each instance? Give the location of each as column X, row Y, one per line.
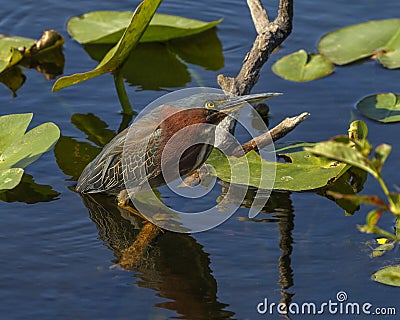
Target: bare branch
column 278, row 132
column 258, row 14
column 270, row 36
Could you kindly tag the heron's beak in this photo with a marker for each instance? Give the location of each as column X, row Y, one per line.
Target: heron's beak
column 236, row 102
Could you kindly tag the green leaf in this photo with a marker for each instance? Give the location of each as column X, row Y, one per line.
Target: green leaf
column 45, row 55
column 395, row 199
column 19, row 149
column 343, row 152
column 107, row 27
column 365, row 199
column 371, row 226
column 164, row 27
column 389, row 275
column 12, row 128
column 384, row 107
column 358, row 130
column 390, row 58
column 362, row 40
column 381, row 153
column 9, row 53
column 397, row 228
column 99, row 27
column 300, row 66
column 384, row 247
column 30, row 147
column 120, row 52
column 303, row 171
column 9, row 178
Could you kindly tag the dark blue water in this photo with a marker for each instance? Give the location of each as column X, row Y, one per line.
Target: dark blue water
column 58, row 259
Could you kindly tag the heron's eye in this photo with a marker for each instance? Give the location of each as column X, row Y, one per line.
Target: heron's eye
column 209, row 105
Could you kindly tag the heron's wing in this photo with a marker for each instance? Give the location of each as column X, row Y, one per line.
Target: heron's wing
column 106, row 172
column 102, row 173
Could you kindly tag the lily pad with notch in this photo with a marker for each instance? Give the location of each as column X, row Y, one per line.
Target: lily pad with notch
column 301, row 170
column 301, row 66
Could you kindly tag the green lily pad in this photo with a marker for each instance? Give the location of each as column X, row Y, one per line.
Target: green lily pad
column 9, row 178
column 45, row 55
column 120, row 52
column 390, row 58
column 19, row 149
column 384, row 107
column 346, row 45
column 165, row 27
column 389, row 275
column 9, row 53
column 300, row 66
column 302, row 171
column 107, row 27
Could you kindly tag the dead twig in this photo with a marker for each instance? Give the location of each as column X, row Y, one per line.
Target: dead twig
column 269, row 36
column 279, row 131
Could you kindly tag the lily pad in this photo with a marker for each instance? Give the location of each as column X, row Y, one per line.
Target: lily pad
column 302, row 171
column 9, row 178
column 107, row 27
column 300, row 66
column 351, row 43
column 384, row 107
column 45, row 55
column 120, row 52
column 389, row 275
column 9, row 53
column 19, row 149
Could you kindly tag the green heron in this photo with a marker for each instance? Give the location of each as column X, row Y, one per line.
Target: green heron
column 143, row 144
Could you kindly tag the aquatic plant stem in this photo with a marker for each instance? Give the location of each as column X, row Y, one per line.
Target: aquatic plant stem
column 122, row 96
column 392, row 205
